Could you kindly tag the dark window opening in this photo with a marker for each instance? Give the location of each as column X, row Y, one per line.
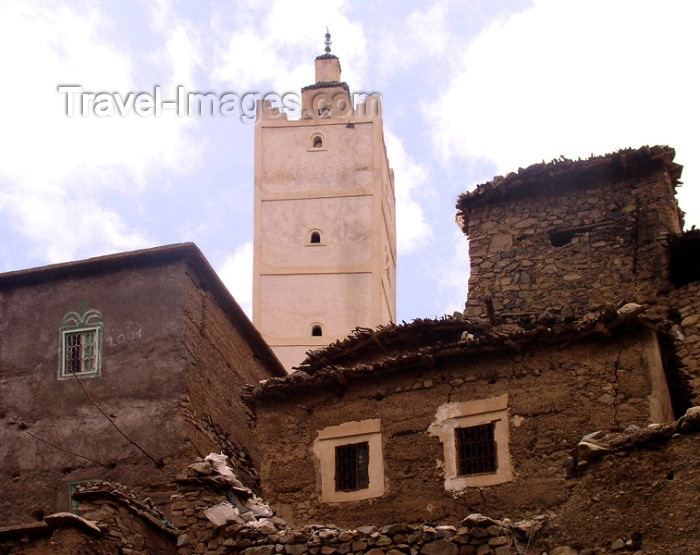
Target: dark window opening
column 352, row 467
column 316, row 331
column 315, row 237
column 685, row 258
column 318, row 141
column 476, row 449
column 561, row 237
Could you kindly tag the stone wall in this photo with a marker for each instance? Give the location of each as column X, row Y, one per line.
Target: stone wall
column 557, row 250
column 553, row 394
column 685, row 302
column 214, row 516
column 112, row 522
column 131, row 525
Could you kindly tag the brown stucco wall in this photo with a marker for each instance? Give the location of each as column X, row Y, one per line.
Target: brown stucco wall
column 140, row 377
column 622, row 256
column 173, row 357
column 555, row 397
column 219, row 363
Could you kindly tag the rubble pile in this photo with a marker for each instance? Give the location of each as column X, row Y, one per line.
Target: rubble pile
column 214, row 513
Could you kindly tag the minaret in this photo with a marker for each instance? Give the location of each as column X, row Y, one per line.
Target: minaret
column 325, row 225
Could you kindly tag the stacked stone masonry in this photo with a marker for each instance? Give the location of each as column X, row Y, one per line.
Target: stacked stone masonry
column 250, row 528
column 559, row 245
column 685, row 302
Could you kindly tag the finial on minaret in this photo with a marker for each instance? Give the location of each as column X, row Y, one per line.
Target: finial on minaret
column 328, row 42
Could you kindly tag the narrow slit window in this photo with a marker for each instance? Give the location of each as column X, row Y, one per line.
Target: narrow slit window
column 315, row 238
column 316, row 331
column 352, row 467
column 476, row 449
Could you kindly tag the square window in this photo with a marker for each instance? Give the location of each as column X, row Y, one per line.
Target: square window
column 476, row 449
column 350, row 461
column 352, row 467
column 475, row 438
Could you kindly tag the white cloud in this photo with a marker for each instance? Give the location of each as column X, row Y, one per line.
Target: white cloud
column 422, row 36
column 277, row 44
column 237, row 274
column 51, row 224
column 575, row 78
column 410, row 179
column 58, row 165
column 454, row 275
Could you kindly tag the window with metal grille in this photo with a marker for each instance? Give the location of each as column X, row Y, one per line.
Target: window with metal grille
column 476, row 449
column 352, row 466
column 80, row 352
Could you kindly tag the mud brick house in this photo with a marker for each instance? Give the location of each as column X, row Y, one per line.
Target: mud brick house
column 572, row 325
column 435, row 418
column 121, row 368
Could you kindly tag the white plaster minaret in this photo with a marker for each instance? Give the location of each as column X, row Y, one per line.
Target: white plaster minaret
column 325, row 226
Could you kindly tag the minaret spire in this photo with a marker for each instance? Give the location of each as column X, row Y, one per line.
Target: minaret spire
column 328, row 41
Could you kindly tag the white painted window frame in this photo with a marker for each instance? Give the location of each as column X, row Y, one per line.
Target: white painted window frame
column 451, row 416
column 343, row 434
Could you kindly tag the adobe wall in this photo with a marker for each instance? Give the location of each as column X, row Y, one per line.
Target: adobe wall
column 642, row 499
column 219, row 363
column 554, row 396
column 685, row 301
column 614, row 246
column 141, row 377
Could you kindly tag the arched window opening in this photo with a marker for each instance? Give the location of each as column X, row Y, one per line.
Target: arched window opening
column 318, row 141
column 316, row 330
column 315, row 237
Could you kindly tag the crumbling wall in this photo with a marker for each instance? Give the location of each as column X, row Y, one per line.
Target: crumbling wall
column 559, row 249
column 211, row 517
column 553, row 393
column 685, row 302
column 639, row 494
column 112, row 522
column 127, row 524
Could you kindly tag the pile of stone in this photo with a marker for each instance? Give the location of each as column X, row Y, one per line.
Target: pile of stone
column 214, row 513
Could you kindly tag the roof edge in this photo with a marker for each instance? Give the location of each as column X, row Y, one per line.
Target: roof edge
column 187, row 252
column 561, row 171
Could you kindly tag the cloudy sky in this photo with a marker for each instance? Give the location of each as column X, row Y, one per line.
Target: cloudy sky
column 471, row 89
